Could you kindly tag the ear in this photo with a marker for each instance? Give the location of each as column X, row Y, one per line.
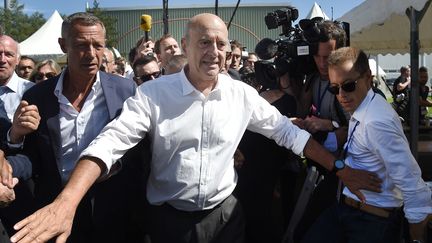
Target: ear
column 183, row 45
column 62, row 44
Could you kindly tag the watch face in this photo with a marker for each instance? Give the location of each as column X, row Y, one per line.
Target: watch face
column 335, row 124
column 339, row 164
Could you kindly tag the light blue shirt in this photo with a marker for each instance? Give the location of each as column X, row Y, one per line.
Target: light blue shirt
column 11, row 95
column 379, row 145
column 194, row 137
column 78, row 129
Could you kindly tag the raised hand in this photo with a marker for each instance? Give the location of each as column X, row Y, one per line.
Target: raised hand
column 26, row 120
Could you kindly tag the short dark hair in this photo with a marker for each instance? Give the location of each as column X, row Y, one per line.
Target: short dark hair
column 143, row 61
column 236, row 44
column 404, row 69
column 28, row 58
column 157, row 49
column 423, row 69
column 330, row 30
column 82, row 18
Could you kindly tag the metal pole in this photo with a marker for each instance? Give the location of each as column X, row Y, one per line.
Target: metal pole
column 414, row 91
column 216, row 7
column 165, row 16
column 232, row 16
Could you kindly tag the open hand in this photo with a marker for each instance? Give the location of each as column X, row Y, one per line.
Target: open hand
column 355, row 180
column 53, row 220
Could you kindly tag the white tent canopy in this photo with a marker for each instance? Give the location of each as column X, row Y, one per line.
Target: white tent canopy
column 316, row 11
column 44, row 42
column 382, row 27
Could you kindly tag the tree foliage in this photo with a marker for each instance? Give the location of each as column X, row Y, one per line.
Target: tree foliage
column 109, row 22
column 17, row 24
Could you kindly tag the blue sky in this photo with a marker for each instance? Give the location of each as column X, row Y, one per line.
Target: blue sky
column 68, row 6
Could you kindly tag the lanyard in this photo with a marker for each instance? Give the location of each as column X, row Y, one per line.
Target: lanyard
column 321, row 96
column 345, row 152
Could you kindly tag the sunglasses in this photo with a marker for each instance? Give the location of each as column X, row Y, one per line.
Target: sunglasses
column 347, row 87
column 150, row 76
column 40, row 76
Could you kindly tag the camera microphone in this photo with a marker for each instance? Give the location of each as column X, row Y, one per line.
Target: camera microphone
column 266, row 48
column 146, row 21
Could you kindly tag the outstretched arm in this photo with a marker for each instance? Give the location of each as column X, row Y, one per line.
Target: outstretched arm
column 55, row 219
column 352, row 178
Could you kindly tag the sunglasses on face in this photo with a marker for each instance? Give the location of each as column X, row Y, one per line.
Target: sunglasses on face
column 40, row 76
column 347, row 87
column 148, row 77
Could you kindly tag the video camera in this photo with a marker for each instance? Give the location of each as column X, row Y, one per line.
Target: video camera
column 292, row 53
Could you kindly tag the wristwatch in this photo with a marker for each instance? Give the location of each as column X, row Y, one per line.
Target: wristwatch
column 335, row 125
column 338, row 165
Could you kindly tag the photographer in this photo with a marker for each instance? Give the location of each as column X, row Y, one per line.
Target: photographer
column 266, row 163
column 326, row 119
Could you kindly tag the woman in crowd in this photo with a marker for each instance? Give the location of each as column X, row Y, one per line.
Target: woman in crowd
column 45, row 70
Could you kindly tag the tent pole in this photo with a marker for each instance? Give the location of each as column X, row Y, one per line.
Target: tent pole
column 414, row 91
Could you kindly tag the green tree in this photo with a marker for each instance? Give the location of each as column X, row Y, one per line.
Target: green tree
column 109, row 22
column 17, row 24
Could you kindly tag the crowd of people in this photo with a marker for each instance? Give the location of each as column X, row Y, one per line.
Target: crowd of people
column 183, row 143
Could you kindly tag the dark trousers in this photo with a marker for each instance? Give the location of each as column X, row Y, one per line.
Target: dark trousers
column 342, row 223
column 222, row 224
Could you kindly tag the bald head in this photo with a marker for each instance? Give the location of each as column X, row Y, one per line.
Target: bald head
column 205, row 44
column 205, row 21
column 9, row 58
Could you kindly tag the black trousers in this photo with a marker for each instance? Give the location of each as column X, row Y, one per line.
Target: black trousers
column 222, row 224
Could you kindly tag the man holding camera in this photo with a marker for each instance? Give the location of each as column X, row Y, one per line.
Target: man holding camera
column 326, row 120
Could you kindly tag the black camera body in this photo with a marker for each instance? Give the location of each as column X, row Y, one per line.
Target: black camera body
column 292, row 53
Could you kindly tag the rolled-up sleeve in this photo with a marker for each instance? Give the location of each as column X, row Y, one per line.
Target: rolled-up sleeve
column 402, row 168
column 122, row 133
column 268, row 121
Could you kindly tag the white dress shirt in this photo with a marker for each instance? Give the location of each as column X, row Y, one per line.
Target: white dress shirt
column 379, row 145
column 11, row 94
column 193, row 137
column 78, row 129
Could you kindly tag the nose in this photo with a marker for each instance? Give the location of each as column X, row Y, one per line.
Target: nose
column 2, row 57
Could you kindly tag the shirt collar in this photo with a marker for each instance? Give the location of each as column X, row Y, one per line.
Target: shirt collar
column 361, row 110
column 59, row 86
column 13, row 83
column 188, row 88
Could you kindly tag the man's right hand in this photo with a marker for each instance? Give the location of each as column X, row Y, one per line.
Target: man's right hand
column 7, row 195
column 53, row 220
column 356, row 180
column 5, row 172
column 26, row 120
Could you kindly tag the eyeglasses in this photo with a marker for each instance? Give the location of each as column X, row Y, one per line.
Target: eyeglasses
column 150, row 76
column 40, row 76
column 347, row 87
